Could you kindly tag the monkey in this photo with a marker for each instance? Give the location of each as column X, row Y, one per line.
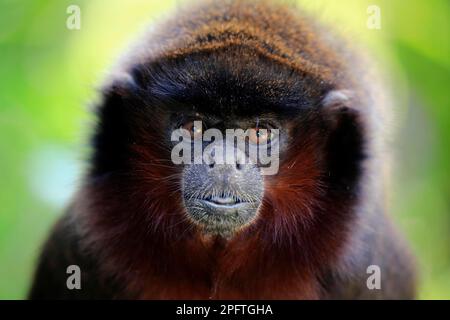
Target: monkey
column 143, row 227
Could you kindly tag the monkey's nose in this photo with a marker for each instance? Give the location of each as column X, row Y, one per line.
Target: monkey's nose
column 232, row 157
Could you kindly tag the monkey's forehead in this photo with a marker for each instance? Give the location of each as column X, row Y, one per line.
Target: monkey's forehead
column 279, row 32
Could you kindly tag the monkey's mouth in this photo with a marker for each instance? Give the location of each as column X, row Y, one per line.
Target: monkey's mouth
column 224, row 202
column 221, row 214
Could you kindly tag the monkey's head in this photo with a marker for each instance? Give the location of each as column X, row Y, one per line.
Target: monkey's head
column 158, row 166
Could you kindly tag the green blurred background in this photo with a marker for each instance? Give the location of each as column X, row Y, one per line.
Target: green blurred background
column 48, row 76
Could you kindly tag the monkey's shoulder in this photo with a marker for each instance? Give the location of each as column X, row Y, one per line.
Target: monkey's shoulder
column 376, row 249
column 63, row 262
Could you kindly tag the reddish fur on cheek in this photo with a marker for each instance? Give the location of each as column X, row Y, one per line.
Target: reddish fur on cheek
column 292, row 195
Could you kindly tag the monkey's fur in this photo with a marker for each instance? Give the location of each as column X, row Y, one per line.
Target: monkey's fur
column 323, row 219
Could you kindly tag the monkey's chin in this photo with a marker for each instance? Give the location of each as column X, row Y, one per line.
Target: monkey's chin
column 221, row 220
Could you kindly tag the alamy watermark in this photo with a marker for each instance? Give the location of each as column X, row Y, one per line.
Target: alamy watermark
column 374, row 280
column 73, row 281
column 73, row 21
column 374, row 19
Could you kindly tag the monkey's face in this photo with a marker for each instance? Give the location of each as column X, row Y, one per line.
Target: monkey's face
column 226, row 144
column 306, row 146
column 222, row 186
column 225, row 157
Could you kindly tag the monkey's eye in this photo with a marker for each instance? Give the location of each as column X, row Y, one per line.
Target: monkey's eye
column 260, row 135
column 194, row 128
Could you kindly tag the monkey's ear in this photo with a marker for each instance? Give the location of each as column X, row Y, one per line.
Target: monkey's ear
column 337, row 100
column 341, row 106
column 121, row 84
column 112, row 133
column 346, row 141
